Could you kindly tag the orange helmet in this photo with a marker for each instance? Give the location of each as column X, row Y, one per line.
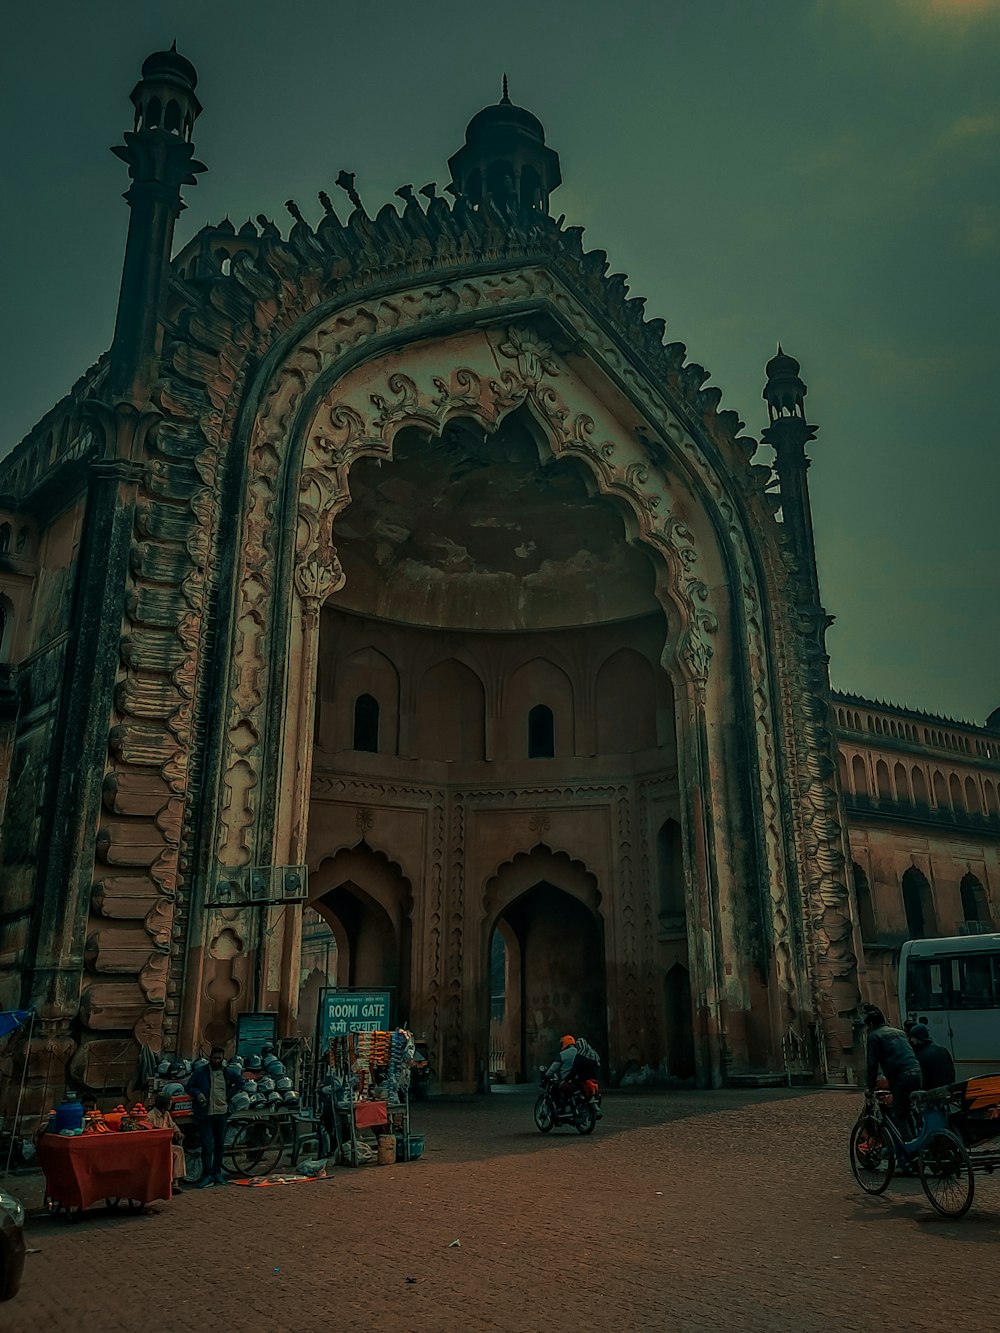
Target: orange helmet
column 567, row 1041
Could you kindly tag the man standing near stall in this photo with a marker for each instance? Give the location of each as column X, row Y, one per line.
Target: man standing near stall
column 211, row 1087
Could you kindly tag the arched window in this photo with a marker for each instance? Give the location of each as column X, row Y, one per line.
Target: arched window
column 902, row 784
column 955, row 790
column 866, row 912
column 972, row 800
column 366, row 724
column 541, row 733
column 859, row 774
column 919, row 786
column 975, row 905
column 940, row 790
column 991, row 798
column 882, row 778
column 670, row 873
column 918, row 905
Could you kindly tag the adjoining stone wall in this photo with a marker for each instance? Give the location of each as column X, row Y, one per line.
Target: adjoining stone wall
column 921, row 794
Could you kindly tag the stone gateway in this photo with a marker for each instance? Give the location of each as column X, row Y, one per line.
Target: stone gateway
column 396, row 567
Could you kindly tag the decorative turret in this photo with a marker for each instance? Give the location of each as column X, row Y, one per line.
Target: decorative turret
column 788, row 434
column 784, row 391
column 160, row 158
column 505, row 159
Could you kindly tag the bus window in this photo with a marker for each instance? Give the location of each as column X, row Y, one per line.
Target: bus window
column 926, row 986
column 977, row 988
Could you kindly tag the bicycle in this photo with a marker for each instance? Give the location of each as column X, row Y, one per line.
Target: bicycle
column 939, row 1154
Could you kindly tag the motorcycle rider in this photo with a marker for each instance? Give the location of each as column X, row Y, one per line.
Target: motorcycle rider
column 561, row 1067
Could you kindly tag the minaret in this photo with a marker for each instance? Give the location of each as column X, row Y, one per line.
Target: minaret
column 160, row 158
column 505, row 159
column 788, row 434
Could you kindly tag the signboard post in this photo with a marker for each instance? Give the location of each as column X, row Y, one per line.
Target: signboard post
column 254, row 1031
column 343, row 1010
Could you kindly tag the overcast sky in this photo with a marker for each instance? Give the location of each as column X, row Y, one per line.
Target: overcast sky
column 820, row 171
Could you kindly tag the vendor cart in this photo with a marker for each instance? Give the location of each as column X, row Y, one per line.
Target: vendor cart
column 256, row 1141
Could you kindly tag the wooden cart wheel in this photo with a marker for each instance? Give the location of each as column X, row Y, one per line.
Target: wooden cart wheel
column 255, row 1147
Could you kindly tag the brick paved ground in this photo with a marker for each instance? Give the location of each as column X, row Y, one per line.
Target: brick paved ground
column 684, row 1211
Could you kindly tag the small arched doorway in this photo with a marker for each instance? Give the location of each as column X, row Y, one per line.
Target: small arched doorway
column 545, row 957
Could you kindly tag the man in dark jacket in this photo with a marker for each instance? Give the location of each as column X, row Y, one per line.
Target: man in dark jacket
column 936, row 1065
column 889, row 1049
column 211, row 1087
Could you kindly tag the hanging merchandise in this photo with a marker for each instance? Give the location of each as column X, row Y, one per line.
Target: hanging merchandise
column 367, row 1088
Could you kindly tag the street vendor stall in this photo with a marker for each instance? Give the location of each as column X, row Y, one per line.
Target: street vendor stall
column 368, row 1087
column 80, row 1170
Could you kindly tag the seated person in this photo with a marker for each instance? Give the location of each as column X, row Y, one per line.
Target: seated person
column 936, row 1065
column 160, row 1118
column 587, row 1073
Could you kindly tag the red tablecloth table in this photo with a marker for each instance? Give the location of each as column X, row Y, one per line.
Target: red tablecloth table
column 83, row 1169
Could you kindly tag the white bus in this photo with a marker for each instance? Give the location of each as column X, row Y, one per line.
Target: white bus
column 953, row 985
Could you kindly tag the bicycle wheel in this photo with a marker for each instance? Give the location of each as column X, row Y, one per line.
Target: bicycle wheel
column 946, row 1174
column 255, row 1148
column 544, row 1115
column 872, row 1157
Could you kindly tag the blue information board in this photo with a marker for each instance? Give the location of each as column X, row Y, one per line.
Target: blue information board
column 343, row 1011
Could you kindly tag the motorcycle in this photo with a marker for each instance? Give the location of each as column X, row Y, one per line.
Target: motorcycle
column 574, row 1109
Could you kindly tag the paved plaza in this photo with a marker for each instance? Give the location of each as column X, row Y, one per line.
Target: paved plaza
column 728, row 1210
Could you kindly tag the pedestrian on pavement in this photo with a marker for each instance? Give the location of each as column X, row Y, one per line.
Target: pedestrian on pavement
column 889, row 1048
column 211, row 1087
column 936, row 1065
column 160, row 1118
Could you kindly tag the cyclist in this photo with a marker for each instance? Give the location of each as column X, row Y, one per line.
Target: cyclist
column 890, row 1049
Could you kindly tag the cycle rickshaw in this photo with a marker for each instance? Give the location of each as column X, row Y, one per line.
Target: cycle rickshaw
column 958, row 1137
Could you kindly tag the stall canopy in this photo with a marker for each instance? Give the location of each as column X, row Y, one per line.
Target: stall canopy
column 11, row 1019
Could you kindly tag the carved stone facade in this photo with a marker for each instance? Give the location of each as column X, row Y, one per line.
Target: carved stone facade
column 434, row 465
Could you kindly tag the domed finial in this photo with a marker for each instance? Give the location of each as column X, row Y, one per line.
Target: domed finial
column 784, row 391
column 505, row 159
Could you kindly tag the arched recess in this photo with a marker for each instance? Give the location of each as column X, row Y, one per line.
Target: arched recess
column 625, row 704
column 973, row 801
column 318, row 409
column 900, row 778
column 866, row 907
column 940, row 791
column 557, row 981
column 451, row 713
column 956, row 794
column 365, row 671
column 882, row 781
column 919, row 787
column 538, row 683
column 368, row 903
column 859, row 775
column 975, row 904
column 918, row 904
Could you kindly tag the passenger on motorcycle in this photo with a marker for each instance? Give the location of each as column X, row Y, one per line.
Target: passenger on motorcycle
column 586, row 1072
